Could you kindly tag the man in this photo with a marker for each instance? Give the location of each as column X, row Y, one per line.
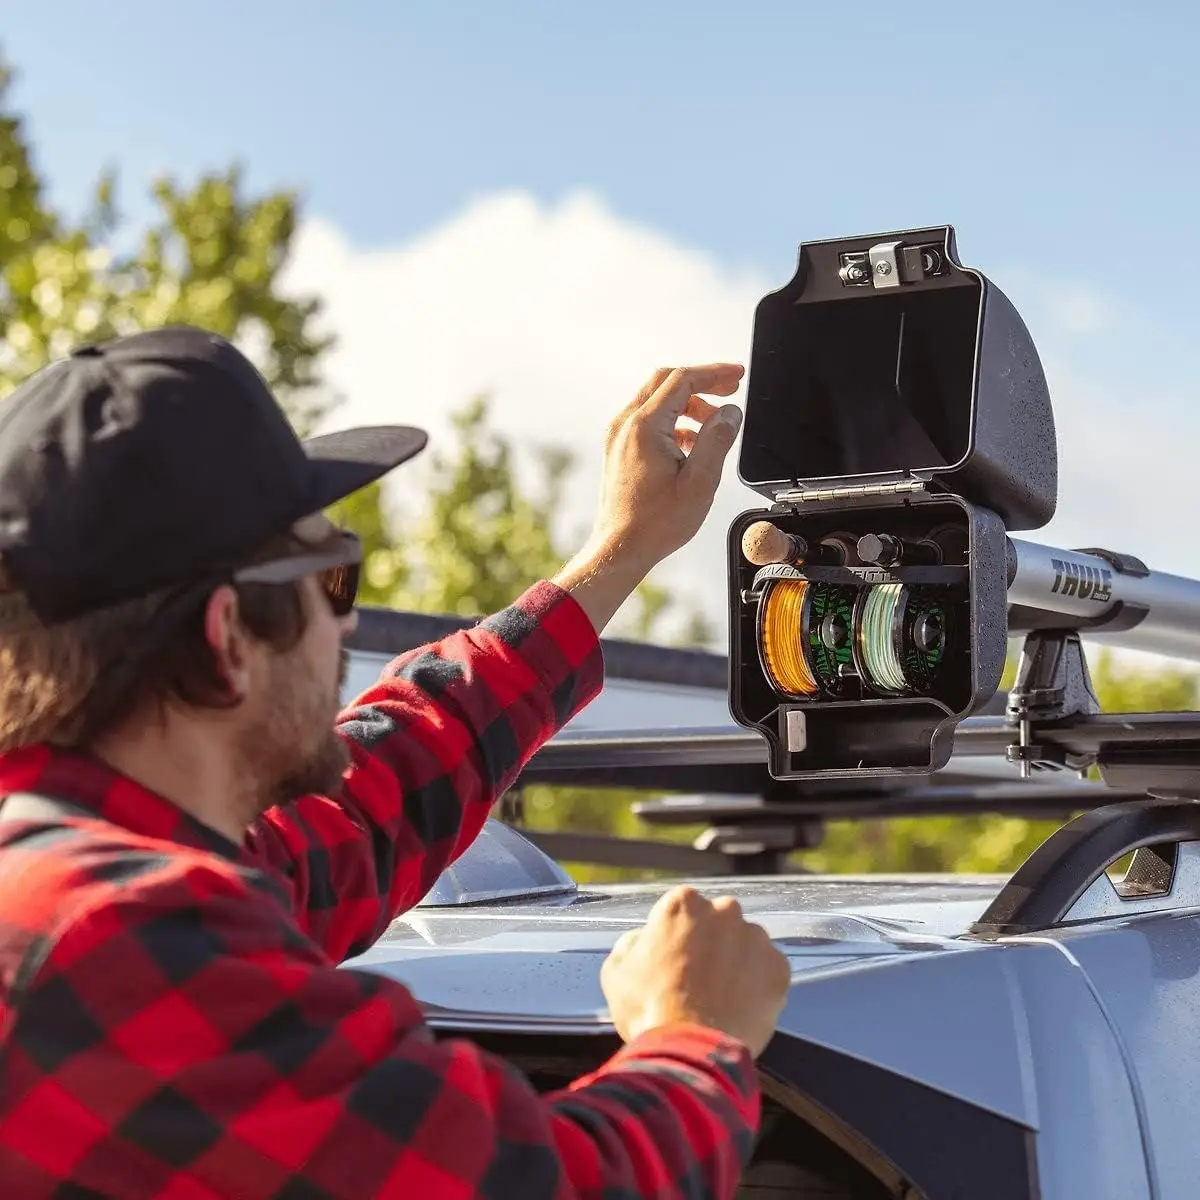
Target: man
column 192, row 838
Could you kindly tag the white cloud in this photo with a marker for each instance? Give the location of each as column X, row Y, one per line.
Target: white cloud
column 560, row 312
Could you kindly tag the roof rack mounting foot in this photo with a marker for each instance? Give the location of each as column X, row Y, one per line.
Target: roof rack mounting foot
column 756, row 844
column 1061, row 880
column 1053, row 683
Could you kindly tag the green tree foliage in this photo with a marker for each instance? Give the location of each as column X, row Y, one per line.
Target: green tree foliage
column 481, row 539
column 1138, row 690
column 211, row 256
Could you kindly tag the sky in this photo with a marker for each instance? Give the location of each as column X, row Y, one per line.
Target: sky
column 547, row 201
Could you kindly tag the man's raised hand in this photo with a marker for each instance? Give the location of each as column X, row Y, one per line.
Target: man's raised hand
column 663, row 460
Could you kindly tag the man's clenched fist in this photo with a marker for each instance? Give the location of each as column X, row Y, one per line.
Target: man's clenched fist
column 701, row 962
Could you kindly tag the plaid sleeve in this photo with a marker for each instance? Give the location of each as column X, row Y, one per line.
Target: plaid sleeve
column 179, row 1037
column 435, row 743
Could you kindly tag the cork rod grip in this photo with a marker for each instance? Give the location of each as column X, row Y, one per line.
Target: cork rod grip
column 764, row 544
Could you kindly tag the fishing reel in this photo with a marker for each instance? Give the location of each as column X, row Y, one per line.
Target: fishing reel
column 857, row 638
column 880, row 639
column 898, row 420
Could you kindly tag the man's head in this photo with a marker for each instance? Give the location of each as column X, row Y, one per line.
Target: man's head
column 163, row 559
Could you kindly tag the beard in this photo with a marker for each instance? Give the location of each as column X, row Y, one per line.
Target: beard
column 294, row 750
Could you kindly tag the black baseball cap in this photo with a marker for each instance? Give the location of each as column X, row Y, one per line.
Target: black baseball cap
column 153, row 460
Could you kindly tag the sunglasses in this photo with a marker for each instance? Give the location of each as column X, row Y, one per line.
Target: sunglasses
column 335, row 557
column 336, row 562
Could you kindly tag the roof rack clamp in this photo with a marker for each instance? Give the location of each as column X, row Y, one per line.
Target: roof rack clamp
column 1053, row 683
column 760, row 845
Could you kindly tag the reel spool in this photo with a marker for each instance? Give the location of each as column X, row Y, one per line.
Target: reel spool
column 805, row 634
column 901, row 637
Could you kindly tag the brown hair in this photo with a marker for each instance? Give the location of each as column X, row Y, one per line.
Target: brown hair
column 66, row 684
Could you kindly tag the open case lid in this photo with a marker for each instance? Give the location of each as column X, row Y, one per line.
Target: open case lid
column 885, row 359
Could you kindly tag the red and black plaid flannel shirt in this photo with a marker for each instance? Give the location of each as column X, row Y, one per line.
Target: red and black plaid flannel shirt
column 175, row 1024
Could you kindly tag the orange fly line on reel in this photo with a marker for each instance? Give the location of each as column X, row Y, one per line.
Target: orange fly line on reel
column 781, row 636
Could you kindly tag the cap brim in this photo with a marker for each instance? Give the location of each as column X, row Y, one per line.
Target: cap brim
column 350, row 459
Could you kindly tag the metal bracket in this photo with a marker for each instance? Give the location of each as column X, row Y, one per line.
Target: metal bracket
column 1171, row 773
column 754, row 848
column 755, row 836
column 1053, row 683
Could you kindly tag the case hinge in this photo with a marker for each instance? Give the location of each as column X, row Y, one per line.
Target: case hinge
column 803, row 495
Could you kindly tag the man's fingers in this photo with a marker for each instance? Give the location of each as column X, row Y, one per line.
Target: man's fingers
column 644, row 393
column 697, row 412
column 685, row 438
column 699, row 409
column 702, row 471
column 671, row 398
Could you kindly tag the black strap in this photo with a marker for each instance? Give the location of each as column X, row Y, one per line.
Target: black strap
column 28, row 806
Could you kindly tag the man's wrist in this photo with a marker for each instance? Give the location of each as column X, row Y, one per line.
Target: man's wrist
column 618, row 556
column 603, row 575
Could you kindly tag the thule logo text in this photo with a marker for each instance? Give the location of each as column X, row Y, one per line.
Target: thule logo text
column 1080, row 579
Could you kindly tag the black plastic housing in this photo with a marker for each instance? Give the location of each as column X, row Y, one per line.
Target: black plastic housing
column 858, row 733
column 913, row 405
column 937, row 377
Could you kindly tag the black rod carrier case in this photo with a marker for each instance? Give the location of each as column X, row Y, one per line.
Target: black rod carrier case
column 897, row 418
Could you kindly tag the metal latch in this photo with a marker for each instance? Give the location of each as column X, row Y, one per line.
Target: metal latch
column 890, row 265
column 884, row 267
